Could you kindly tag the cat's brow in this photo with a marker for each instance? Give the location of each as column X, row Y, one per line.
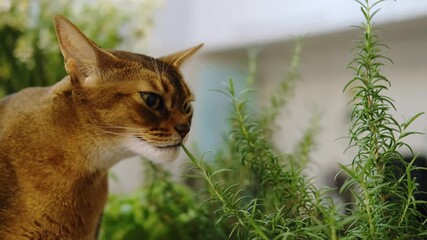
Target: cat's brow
column 163, row 80
column 165, row 86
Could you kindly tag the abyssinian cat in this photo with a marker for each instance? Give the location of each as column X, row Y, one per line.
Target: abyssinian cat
column 57, row 143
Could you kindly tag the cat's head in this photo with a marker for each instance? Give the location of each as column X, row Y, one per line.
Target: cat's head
column 137, row 102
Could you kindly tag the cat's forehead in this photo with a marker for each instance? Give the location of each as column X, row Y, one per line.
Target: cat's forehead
column 147, row 62
column 160, row 76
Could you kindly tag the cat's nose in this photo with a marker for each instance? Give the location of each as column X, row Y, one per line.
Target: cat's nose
column 183, row 129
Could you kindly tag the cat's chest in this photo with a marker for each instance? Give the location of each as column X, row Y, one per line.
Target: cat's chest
column 71, row 213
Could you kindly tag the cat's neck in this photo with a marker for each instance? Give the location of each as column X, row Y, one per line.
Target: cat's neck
column 97, row 149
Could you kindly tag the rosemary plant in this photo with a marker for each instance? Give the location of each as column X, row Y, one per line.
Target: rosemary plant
column 383, row 203
column 278, row 202
column 281, row 203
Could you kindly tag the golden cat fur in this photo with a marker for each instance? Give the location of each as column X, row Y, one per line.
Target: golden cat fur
column 57, row 143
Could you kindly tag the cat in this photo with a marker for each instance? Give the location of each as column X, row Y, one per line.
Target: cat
column 57, row 143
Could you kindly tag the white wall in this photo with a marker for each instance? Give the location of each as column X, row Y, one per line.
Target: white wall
column 227, row 24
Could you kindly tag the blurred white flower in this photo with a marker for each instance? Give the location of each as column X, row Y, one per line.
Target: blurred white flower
column 24, row 50
column 5, row 5
column 123, row 24
column 16, row 15
column 45, row 41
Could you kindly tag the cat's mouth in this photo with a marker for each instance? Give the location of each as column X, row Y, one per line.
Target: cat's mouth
column 161, row 146
column 170, row 146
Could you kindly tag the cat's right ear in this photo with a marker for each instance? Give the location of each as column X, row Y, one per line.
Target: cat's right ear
column 81, row 55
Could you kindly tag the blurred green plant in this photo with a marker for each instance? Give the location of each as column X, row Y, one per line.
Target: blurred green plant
column 29, row 53
column 383, row 204
column 161, row 209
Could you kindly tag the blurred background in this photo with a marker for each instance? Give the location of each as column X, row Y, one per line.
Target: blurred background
column 29, row 53
column 230, row 28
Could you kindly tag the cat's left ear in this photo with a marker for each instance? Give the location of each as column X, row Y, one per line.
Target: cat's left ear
column 83, row 58
column 176, row 59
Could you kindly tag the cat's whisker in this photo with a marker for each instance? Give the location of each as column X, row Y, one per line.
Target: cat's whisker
column 170, row 63
column 109, row 133
column 125, row 148
column 156, row 67
column 163, row 66
column 106, row 127
column 118, row 127
column 103, row 132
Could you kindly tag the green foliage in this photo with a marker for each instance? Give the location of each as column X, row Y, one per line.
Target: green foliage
column 161, row 209
column 382, row 202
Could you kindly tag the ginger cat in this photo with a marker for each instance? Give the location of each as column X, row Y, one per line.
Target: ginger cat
column 57, row 143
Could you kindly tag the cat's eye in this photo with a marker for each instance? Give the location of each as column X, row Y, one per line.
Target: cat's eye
column 187, row 107
column 152, row 100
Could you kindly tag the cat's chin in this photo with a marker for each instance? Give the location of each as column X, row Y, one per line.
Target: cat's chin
column 162, row 154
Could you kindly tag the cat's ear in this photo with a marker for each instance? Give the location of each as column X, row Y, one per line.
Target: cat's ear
column 176, row 59
column 81, row 55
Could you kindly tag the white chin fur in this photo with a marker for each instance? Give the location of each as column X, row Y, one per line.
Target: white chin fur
column 155, row 154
